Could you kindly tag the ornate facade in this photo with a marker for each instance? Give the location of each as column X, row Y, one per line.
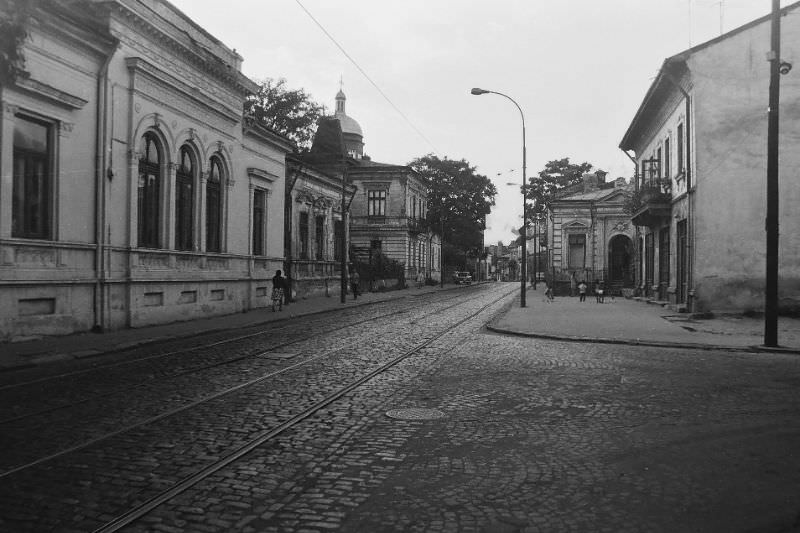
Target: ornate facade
column 314, row 228
column 133, row 193
column 590, row 235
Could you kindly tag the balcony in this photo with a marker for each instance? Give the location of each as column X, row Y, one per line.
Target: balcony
column 417, row 225
column 651, row 205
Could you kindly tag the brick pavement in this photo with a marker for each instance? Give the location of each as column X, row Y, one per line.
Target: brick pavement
column 536, row 437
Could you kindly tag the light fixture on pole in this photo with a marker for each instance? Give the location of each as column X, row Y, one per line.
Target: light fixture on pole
column 524, row 230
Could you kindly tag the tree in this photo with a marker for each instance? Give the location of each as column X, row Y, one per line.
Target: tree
column 14, row 15
column 289, row 112
column 557, row 175
column 459, row 198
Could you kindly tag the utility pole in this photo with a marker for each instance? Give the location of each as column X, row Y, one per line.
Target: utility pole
column 771, row 282
column 441, row 250
column 343, row 258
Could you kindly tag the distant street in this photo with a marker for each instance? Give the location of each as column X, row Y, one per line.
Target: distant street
column 405, row 415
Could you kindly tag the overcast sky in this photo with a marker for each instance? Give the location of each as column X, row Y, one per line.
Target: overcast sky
column 578, row 69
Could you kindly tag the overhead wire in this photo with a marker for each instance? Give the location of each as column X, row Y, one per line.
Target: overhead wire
column 369, row 79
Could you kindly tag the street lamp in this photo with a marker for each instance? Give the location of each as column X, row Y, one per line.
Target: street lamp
column 476, row 91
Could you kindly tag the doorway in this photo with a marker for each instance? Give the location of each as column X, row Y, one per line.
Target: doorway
column 620, row 261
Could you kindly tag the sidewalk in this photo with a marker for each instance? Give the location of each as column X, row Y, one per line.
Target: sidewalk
column 623, row 321
column 43, row 350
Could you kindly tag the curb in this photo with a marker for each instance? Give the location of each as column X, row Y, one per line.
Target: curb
column 44, row 358
column 642, row 342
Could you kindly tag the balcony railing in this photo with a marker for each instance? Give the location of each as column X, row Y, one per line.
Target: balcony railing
column 412, row 225
column 304, row 268
column 651, row 204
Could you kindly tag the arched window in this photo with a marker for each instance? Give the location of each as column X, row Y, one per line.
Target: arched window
column 184, row 201
column 214, row 206
column 149, row 192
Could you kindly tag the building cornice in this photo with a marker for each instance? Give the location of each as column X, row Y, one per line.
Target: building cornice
column 199, row 57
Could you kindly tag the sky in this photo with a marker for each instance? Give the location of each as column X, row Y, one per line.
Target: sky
column 578, row 69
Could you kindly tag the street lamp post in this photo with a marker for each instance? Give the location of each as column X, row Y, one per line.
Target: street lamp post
column 476, row 91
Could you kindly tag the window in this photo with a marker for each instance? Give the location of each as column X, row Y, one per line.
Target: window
column 338, row 232
column 319, row 235
column 666, row 159
column 32, row 188
column 149, row 192
column 421, row 257
column 658, row 159
column 376, row 245
column 649, row 258
column 184, row 201
column 376, row 203
column 303, row 235
column 413, row 207
column 214, row 206
column 577, row 251
column 259, row 221
column 663, row 255
column 680, row 149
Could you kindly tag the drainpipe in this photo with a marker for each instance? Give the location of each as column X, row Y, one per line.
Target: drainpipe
column 101, row 154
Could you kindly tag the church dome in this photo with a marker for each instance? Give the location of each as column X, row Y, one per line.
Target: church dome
column 349, row 125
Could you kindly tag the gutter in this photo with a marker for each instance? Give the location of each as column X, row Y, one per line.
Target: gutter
column 101, row 154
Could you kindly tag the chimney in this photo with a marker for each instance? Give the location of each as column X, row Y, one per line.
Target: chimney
column 589, row 182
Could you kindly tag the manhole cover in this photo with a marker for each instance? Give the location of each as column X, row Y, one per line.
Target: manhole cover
column 415, row 413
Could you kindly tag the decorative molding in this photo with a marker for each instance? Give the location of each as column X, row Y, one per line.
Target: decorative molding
column 65, row 129
column 35, row 256
column 10, row 111
column 621, row 226
column 50, row 93
column 159, row 261
column 254, row 172
column 168, row 91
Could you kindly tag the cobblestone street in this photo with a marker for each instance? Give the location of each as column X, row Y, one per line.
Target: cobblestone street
column 460, row 429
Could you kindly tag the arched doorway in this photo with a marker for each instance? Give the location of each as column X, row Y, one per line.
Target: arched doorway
column 620, row 259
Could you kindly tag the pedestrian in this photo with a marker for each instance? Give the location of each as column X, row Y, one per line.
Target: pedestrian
column 548, row 294
column 420, row 279
column 354, row 282
column 278, row 289
column 600, row 292
column 582, row 291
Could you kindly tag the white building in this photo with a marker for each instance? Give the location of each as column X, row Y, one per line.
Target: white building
column 700, row 144
column 132, row 191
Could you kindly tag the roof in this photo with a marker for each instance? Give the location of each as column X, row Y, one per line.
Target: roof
column 349, row 125
column 672, row 68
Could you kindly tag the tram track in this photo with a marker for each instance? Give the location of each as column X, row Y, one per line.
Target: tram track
column 189, row 481
column 172, row 375
column 160, row 452
column 188, row 405
column 285, row 323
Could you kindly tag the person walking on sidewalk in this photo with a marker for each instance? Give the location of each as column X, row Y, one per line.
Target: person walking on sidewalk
column 278, row 290
column 355, row 279
column 600, row 290
column 582, row 291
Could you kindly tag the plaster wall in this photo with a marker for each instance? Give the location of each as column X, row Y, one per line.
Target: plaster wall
column 731, row 82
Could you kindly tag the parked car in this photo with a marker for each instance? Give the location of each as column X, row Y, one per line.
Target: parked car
column 462, row 277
